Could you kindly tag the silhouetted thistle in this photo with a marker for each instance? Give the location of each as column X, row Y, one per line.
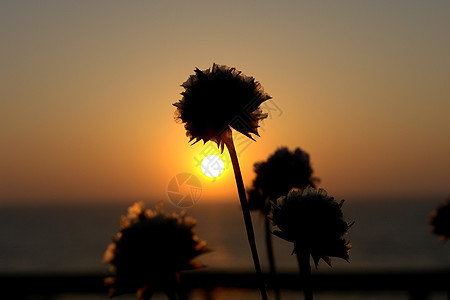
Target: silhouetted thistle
column 150, row 250
column 313, row 221
column 218, row 98
column 440, row 220
column 214, row 101
column 275, row 177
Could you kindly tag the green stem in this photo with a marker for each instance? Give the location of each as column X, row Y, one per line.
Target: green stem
column 228, row 140
column 305, row 272
column 270, row 255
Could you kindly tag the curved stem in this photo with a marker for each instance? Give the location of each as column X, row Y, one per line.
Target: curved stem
column 305, row 272
column 228, row 140
column 270, row 256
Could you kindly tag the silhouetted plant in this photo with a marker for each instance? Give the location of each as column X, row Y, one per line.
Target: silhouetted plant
column 275, row 177
column 214, row 101
column 440, row 220
column 218, row 98
column 150, row 250
column 313, row 221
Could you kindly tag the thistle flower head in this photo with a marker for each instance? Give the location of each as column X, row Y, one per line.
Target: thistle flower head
column 150, row 250
column 313, row 221
column 218, row 98
column 440, row 220
column 276, row 176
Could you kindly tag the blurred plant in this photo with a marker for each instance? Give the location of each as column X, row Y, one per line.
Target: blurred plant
column 275, row 177
column 150, row 250
column 214, row 101
column 440, row 220
column 313, row 221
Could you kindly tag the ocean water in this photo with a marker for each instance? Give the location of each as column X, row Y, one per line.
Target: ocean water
column 387, row 235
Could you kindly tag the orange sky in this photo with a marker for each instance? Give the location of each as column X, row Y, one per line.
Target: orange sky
column 87, row 90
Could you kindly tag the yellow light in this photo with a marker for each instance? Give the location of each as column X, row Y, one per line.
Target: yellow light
column 212, row 166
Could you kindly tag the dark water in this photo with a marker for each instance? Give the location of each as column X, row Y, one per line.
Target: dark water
column 390, row 235
column 72, row 238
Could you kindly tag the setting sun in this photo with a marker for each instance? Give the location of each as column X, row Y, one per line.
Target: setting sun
column 212, row 166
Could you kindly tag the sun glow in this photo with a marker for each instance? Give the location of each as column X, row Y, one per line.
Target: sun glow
column 212, row 166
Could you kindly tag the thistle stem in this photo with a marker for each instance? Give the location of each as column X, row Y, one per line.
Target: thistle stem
column 172, row 296
column 228, row 140
column 305, row 272
column 270, row 255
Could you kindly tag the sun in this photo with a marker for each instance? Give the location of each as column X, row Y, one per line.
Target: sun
column 212, row 166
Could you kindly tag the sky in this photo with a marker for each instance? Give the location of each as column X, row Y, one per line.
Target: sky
column 87, row 87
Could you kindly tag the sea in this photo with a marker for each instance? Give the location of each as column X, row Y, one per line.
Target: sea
column 72, row 238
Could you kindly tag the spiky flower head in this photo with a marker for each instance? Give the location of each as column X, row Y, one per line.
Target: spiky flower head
column 150, row 250
column 440, row 220
column 313, row 221
column 217, row 99
column 276, row 176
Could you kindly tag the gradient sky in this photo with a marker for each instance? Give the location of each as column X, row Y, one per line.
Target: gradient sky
column 86, row 93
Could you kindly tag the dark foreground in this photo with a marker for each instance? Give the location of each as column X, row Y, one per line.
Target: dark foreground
column 419, row 285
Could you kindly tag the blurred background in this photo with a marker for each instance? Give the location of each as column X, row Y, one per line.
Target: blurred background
column 87, row 127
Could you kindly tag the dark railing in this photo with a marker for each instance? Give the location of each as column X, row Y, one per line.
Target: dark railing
column 418, row 284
